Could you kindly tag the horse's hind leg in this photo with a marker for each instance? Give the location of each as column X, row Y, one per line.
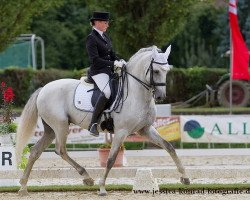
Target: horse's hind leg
column 35, row 153
column 61, row 138
column 154, row 137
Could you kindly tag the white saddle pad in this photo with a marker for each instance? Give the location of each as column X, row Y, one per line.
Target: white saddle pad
column 82, row 97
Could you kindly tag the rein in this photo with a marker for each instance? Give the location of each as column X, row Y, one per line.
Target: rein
column 147, row 86
column 122, row 79
column 152, row 84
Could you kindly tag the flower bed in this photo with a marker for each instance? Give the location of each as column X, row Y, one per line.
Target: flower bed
column 7, row 126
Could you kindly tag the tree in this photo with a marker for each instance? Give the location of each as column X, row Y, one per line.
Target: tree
column 246, row 31
column 140, row 23
column 17, row 15
column 244, row 23
column 196, row 45
column 64, row 30
column 205, row 38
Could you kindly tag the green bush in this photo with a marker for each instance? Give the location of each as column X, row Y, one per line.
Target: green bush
column 182, row 84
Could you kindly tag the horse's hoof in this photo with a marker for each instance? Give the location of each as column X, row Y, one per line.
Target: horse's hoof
column 22, row 192
column 103, row 193
column 88, row 181
column 185, row 181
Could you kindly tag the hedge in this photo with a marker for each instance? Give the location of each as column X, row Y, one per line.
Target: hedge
column 182, row 84
column 25, row 81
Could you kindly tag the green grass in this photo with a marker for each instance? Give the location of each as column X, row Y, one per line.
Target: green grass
column 177, row 145
column 128, row 146
column 64, row 188
column 145, row 145
column 124, row 187
column 208, row 110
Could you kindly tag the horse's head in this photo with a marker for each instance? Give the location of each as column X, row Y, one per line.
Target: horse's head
column 155, row 66
column 157, row 71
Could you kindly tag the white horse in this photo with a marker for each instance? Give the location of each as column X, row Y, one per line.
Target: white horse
column 146, row 76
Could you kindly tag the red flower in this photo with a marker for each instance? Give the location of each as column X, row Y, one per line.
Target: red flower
column 3, row 84
column 8, row 95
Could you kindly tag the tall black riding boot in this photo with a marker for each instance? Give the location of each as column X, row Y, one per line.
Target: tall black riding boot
column 99, row 107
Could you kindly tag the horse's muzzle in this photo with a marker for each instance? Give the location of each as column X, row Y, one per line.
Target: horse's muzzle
column 159, row 95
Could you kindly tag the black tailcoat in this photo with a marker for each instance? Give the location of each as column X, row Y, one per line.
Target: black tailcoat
column 101, row 54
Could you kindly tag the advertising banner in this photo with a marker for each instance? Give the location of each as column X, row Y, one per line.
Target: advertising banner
column 215, row 128
column 168, row 127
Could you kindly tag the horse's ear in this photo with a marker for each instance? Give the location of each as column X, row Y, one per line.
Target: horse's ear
column 167, row 52
column 155, row 52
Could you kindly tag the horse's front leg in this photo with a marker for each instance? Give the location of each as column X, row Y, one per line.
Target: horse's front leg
column 152, row 134
column 116, row 144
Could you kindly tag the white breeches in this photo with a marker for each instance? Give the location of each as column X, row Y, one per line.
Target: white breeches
column 102, row 82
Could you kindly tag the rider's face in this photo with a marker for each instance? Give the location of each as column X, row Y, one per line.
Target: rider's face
column 102, row 25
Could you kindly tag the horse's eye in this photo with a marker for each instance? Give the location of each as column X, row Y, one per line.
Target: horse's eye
column 156, row 71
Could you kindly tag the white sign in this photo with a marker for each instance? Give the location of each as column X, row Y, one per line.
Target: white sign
column 76, row 134
column 163, row 110
column 7, row 158
column 215, row 128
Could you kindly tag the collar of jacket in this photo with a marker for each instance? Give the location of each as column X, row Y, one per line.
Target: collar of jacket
column 98, row 35
column 98, row 31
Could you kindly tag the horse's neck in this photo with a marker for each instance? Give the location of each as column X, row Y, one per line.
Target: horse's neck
column 137, row 93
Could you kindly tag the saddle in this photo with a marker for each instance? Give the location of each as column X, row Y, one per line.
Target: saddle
column 113, row 83
column 87, row 94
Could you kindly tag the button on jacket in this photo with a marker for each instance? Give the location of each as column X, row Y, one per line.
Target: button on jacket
column 100, row 53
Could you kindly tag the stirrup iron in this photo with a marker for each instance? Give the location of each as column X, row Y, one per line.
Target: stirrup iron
column 93, row 130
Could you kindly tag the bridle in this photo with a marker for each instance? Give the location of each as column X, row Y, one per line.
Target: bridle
column 150, row 70
column 152, row 82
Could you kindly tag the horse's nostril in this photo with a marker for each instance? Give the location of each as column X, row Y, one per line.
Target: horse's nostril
column 158, row 98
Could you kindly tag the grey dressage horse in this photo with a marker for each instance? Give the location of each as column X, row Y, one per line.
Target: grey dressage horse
column 146, row 76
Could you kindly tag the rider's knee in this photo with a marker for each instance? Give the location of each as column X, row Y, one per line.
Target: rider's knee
column 107, row 93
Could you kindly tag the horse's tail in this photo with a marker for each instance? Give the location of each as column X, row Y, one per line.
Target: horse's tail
column 26, row 125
